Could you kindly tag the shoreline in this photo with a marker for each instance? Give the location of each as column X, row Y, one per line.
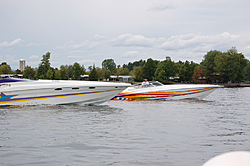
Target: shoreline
column 236, row 85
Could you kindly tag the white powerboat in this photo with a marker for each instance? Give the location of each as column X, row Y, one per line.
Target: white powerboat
column 157, row 91
column 36, row 92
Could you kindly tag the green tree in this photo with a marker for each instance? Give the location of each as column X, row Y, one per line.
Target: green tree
column 5, row 68
column 63, row 72
column 44, row 66
column 130, row 66
column 41, row 72
column 69, row 71
column 165, row 69
column 93, row 76
column 49, row 74
column 230, row 65
column 186, row 71
column 90, row 68
column 122, row 71
column 109, row 64
column 105, row 74
column 41, row 77
column 208, row 64
column 99, row 72
column 160, row 74
column 57, row 74
column 247, row 71
column 29, row 72
column 198, row 72
column 77, row 70
column 138, row 74
column 149, row 69
column 45, row 61
column 83, row 70
column 192, row 69
column 178, row 65
column 17, row 71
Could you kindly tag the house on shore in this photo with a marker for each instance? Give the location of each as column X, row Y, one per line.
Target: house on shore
column 111, row 78
column 121, row 78
column 214, row 79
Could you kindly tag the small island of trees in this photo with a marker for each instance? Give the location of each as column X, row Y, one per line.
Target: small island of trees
column 216, row 67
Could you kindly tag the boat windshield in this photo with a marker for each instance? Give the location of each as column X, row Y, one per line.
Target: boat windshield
column 156, row 83
column 151, row 84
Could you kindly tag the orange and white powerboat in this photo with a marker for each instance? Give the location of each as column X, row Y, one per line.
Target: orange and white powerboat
column 157, row 91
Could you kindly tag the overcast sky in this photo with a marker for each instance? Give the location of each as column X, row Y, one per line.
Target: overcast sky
column 89, row 31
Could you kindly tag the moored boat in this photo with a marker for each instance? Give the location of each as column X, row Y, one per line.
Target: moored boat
column 51, row 92
column 157, row 91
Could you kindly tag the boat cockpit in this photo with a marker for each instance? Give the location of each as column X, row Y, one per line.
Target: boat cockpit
column 151, row 84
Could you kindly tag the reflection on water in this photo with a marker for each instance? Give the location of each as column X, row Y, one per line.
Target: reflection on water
column 186, row 132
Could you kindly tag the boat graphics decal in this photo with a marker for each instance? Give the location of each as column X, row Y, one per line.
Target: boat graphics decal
column 3, row 96
column 6, row 100
column 160, row 95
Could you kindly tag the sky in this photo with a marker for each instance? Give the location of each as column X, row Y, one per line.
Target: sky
column 90, row 31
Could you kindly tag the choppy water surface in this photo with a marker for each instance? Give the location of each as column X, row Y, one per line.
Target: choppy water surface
column 173, row 133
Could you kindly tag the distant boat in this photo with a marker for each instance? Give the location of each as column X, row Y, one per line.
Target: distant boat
column 157, row 91
column 36, row 92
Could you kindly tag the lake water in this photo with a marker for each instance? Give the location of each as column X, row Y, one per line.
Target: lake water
column 146, row 133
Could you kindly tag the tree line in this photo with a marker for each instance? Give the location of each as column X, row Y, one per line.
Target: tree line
column 228, row 66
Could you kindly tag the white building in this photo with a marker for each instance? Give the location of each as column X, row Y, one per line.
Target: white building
column 22, row 64
column 84, row 77
column 125, row 78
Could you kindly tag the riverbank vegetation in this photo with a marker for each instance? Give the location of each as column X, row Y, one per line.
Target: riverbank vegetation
column 215, row 67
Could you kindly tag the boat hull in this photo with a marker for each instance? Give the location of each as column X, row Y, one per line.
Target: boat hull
column 58, row 92
column 167, row 92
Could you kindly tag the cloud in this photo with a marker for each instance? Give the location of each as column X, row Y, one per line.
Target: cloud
column 8, row 58
column 74, row 56
column 75, row 51
column 61, row 47
column 93, row 45
column 36, row 44
column 12, row 43
column 89, row 60
column 191, row 42
column 34, row 63
column 160, row 7
column 34, row 57
column 198, row 42
column 129, row 40
column 89, row 45
column 55, row 63
column 130, row 54
column 186, row 46
column 82, row 44
column 97, row 37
